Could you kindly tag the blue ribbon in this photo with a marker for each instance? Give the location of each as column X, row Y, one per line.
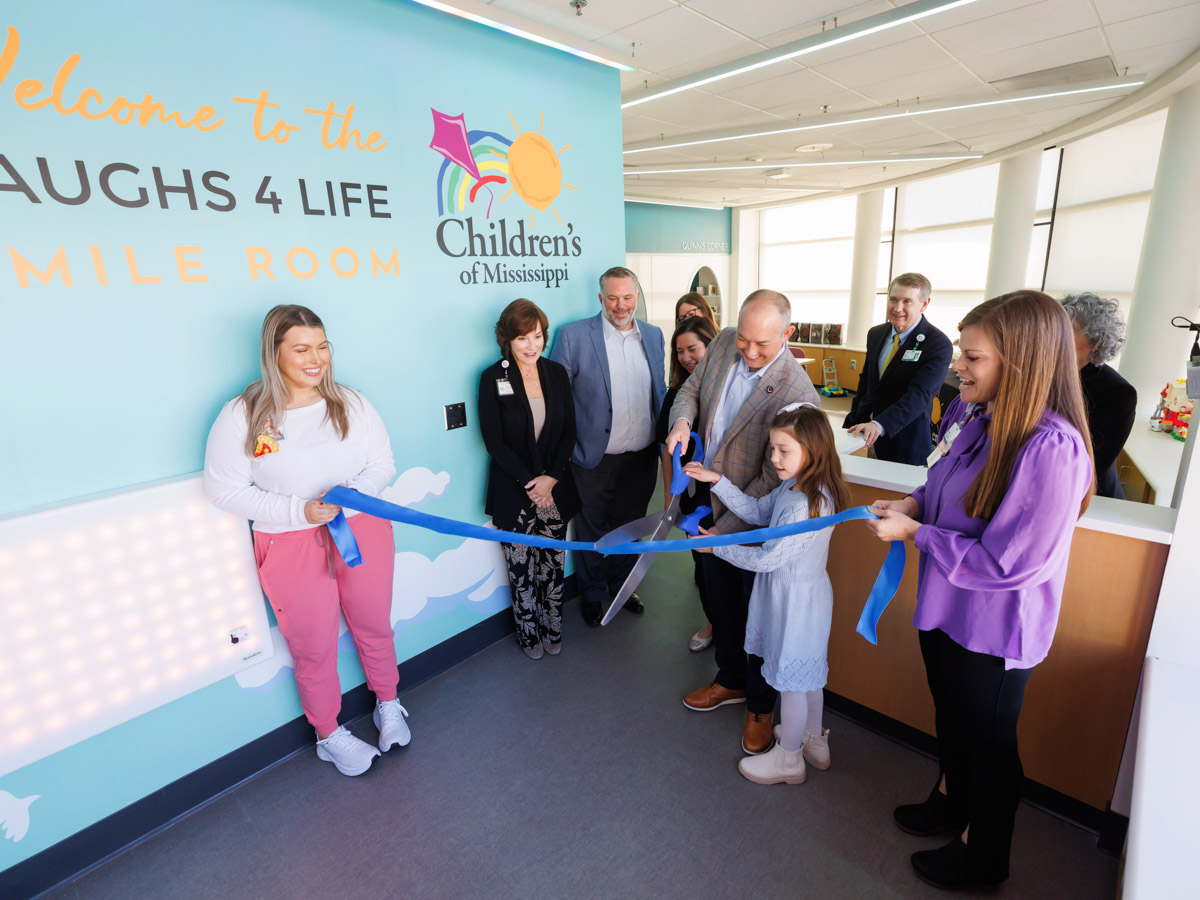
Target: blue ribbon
column 886, row 583
column 343, row 539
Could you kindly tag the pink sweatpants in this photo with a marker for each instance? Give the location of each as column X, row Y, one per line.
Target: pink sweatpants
column 294, row 571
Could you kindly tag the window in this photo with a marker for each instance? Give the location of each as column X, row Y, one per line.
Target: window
column 806, row 252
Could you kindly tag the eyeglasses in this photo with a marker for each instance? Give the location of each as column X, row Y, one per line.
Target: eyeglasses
column 687, row 315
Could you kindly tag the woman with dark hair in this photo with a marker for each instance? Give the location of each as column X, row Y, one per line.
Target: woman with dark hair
column 693, row 304
column 1111, row 401
column 692, row 336
column 272, row 454
column 994, row 523
column 527, row 419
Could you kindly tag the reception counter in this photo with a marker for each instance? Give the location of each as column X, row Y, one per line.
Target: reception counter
column 1079, row 701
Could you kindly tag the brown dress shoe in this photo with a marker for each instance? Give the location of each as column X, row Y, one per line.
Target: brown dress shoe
column 711, row 696
column 758, row 736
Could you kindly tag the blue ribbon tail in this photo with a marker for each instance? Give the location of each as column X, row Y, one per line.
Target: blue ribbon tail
column 343, row 539
column 887, row 582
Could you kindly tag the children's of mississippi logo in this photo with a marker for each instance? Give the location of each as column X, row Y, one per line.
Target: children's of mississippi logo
column 480, row 170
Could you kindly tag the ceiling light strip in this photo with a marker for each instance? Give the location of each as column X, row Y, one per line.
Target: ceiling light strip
column 491, row 17
column 804, row 165
column 923, row 110
column 910, row 12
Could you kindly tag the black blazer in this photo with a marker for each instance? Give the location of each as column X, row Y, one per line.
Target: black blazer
column 1111, row 407
column 902, row 400
column 506, row 424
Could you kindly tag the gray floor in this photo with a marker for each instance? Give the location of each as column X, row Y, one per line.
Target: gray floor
column 582, row 776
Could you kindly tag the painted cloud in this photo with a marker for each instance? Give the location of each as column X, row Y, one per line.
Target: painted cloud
column 14, row 815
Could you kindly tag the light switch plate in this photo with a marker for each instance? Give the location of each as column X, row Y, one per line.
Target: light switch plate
column 456, row 415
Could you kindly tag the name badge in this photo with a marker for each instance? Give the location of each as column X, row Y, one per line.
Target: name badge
column 504, row 387
column 911, row 356
column 943, row 446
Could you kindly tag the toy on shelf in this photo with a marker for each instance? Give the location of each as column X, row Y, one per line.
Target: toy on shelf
column 1176, row 409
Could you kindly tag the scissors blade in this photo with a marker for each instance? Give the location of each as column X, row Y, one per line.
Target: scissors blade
column 637, row 529
column 644, row 561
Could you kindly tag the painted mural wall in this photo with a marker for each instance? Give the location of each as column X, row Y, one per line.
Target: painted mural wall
column 170, row 172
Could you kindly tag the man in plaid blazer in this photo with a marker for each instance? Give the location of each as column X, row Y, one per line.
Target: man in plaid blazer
column 730, row 400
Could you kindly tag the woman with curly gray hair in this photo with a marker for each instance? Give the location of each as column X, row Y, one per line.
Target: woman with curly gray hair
column 1111, row 400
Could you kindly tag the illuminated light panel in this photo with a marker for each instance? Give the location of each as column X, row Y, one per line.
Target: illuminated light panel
column 910, row 12
column 885, row 161
column 885, row 113
column 493, row 21
column 99, row 590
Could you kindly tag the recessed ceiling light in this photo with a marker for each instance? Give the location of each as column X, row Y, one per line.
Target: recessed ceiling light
column 812, row 148
column 753, row 159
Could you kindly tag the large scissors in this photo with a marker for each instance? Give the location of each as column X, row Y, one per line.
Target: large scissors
column 657, row 526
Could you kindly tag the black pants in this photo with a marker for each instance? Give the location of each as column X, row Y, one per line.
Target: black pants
column 726, row 599
column 977, row 703
column 617, row 491
column 535, row 577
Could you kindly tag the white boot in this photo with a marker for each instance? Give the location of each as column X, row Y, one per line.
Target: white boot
column 816, row 749
column 776, row 766
column 350, row 755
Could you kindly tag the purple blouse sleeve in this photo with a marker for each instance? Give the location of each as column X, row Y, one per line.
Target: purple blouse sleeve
column 1027, row 540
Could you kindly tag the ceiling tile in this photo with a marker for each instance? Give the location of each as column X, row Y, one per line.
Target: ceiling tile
column 697, row 110
column 1063, row 50
column 936, row 84
column 1016, row 28
column 766, row 17
column 1120, row 10
column 795, row 86
column 840, row 102
column 825, row 12
column 1153, row 61
column 1060, row 116
column 972, row 12
column 1158, row 28
column 919, row 54
column 673, row 37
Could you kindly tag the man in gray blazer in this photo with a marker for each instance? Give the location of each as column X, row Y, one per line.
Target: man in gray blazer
column 617, row 374
column 730, row 400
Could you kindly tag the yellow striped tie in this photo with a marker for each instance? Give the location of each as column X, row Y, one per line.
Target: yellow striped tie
column 887, row 360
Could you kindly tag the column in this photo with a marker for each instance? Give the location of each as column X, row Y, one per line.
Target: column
column 1168, row 278
column 864, row 270
column 743, row 264
column 1012, row 228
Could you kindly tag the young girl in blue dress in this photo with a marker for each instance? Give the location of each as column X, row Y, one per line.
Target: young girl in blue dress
column 791, row 607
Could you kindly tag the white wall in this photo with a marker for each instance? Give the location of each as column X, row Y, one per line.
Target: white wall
column 665, row 277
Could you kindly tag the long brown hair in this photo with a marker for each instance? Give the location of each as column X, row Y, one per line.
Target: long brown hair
column 1032, row 334
column 821, row 473
column 701, row 327
column 269, row 396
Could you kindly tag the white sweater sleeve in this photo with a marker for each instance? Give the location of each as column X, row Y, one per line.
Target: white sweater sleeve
column 228, row 480
column 380, row 467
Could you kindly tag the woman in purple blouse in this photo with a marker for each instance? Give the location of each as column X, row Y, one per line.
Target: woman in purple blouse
column 993, row 523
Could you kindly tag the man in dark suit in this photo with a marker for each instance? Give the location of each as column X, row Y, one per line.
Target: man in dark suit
column 617, row 371
column 907, row 360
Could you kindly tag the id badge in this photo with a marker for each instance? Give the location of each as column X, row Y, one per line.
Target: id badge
column 504, row 387
column 911, row 356
column 943, row 446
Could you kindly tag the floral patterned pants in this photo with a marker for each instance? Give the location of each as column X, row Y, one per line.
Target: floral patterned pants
column 535, row 577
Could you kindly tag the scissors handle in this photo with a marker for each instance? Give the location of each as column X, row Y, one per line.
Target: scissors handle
column 679, row 481
column 690, row 524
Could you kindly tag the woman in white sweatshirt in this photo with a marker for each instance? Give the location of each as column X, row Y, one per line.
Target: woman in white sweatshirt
column 272, row 454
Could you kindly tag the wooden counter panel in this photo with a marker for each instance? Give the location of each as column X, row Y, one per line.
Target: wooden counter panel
column 1079, row 701
column 847, row 377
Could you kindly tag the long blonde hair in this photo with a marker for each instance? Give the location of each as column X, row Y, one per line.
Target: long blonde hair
column 268, row 397
column 1033, row 336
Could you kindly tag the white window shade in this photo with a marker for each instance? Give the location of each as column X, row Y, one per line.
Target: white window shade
column 882, row 275
column 954, row 259
column 817, row 220
column 1097, row 248
column 815, row 266
column 961, row 197
column 1115, row 163
column 818, row 306
column 1048, row 178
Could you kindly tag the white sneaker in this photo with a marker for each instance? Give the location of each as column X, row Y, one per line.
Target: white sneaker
column 350, row 755
column 776, row 766
column 816, row 749
column 389, row 719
